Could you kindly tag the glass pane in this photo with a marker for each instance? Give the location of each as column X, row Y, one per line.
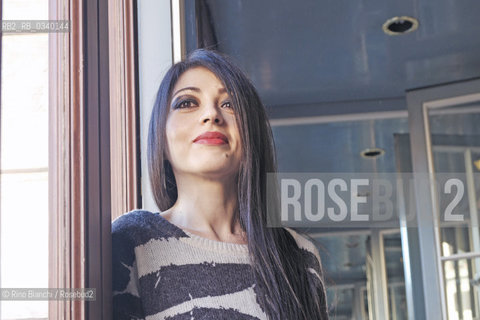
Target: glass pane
column 395, row 277
column 398, row 301
column 344, row 263
column 455, row 240
column 338, row 145
column 455, row 140
column 461, row 296
column 341, row 302
column 24, row 239
column 24, row 160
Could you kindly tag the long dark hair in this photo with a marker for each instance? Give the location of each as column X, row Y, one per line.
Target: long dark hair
column 282, row 285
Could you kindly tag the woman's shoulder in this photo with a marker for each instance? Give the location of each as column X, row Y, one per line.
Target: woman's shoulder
column 141, row 226
column 132, row 221
column 128, row 228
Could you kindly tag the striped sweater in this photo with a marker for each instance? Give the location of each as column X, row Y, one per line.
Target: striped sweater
column 163, row 272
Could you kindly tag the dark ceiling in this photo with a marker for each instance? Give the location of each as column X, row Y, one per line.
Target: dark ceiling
column 313, row 52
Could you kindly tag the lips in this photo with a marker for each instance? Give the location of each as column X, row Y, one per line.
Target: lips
column 211, row 137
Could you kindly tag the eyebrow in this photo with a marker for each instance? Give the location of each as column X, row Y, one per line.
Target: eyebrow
column 221, row 90
column 187, row 88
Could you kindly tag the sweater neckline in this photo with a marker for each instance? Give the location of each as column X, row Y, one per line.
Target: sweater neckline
column 210, row 243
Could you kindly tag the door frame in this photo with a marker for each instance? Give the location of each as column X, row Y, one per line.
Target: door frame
column 419, row 102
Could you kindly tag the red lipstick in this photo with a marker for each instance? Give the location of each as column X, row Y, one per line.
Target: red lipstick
column 211, row 137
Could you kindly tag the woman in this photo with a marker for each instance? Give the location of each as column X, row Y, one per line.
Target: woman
column 209, row 254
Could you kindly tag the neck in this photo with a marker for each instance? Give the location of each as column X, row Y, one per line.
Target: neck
column 207, row 207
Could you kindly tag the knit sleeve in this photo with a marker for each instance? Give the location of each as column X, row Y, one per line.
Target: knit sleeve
column 314, row 268
column 127, row 304
column 311, row 254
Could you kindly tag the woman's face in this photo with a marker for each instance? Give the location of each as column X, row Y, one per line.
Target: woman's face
column 201, row 131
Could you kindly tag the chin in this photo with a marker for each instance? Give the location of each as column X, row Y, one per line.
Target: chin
column 215, row 170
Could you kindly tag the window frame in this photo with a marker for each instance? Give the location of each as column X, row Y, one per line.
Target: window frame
column 93, row 148
column 65, row 178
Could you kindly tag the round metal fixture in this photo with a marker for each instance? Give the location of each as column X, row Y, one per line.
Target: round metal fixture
column 372, row 153
column 400, row 25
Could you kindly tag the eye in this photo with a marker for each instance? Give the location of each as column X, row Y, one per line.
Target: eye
column 227, row 105
column 185, row 104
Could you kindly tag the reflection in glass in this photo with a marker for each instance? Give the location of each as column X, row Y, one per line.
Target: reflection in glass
column 395, row 276
column 348, row 302
column 461, row 296
column 455, row 142
column 344, row 259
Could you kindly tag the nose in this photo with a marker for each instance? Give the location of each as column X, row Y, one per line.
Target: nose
column 212, row 114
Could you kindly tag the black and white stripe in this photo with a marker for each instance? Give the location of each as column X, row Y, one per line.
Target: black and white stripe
column 163, row 272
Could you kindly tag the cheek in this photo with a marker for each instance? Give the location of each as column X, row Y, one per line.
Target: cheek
column 170, row 139
column 177, row 138
column 239, row 144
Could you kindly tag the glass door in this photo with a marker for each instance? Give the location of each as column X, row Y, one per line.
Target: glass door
column 445, row 147
column 455, row 134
